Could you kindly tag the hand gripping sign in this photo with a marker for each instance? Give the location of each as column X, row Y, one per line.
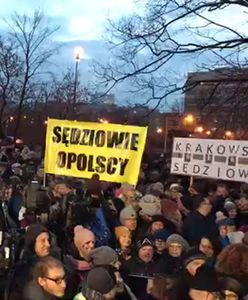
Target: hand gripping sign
column 82, row 149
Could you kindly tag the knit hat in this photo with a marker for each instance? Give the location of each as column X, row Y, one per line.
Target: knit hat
column 161, row 235
column 31, row 235
column 236, row 237
column 192, row 255
column 128, row 213
column 219, row 217
column 226, row 222
column 150, row 205
column 120, row 231
column 158, row 218
column 101, row 280
column 229, row 206
column 178, row 239
column 103, row 256
column 231, row 284
column 146, row 241
column 82, row 236
column 155, row 189
column 175, row 187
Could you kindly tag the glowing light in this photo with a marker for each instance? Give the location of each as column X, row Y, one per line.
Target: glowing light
column 24, row 117
column 159, row 130
column 228, row 134
column 208, row 132
column 189, row 119
column 104, row 121
column 78, row 52
column 11, row 118
column 199, row 129
column 46, row 122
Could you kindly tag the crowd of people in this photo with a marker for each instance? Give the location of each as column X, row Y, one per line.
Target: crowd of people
column 74, row 239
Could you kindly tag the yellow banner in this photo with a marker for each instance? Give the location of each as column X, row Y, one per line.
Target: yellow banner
column 82, row 149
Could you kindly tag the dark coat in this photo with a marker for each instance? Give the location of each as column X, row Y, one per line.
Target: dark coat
column 136, row 274
column 33, row 291
column 196, row 226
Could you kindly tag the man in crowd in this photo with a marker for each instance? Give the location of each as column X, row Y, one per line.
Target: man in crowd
column 48, row 281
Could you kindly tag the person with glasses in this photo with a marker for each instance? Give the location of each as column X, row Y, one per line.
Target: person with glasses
column 49, row 281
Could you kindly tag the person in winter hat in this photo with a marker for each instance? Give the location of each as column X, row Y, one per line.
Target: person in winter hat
column 160, row 238
column 77, row 260
column 101, row 284
column 150, row 206
column 155, row 189
column 231, row 209
column 37, row 241
column 140, row 267
column 36, row 245
column 179, row 240
column 219, row 216
column 223, row 231
column 173, row 260
column 84, row 240
column 103, row 256
column 128, row 218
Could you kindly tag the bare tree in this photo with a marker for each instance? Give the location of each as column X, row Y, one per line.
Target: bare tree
column 145, row 48
column 32, row 36
column 63, row 92
column 10, row 70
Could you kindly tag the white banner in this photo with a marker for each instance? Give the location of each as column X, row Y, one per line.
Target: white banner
column 221, row 159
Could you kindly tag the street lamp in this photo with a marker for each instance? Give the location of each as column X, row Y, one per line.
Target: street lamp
column 189, row 120
column 159, row 130
column 78, row 52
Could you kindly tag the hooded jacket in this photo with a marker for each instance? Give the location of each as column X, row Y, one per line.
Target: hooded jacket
column 22, row 272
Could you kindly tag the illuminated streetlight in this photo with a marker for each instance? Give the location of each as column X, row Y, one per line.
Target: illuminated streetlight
column 78, row 51
column 199, row 129
column 159, row 130
column 11, row 118
column 208, row 132
column 24, row 117
column 46, row 122
column 189, row 119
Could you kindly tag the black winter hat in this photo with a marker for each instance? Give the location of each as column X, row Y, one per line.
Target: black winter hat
column 205, row 279
column 192, row 255
column 31, row 235
column 146, row 241
column 101, row 280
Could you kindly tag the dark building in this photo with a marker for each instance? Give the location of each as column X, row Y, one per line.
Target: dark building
column 218, row 98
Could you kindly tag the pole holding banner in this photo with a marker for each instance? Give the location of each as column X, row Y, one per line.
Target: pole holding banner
column 44, row 179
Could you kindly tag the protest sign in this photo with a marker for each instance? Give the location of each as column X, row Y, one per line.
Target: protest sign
column 221, row 159
column 82, row 149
